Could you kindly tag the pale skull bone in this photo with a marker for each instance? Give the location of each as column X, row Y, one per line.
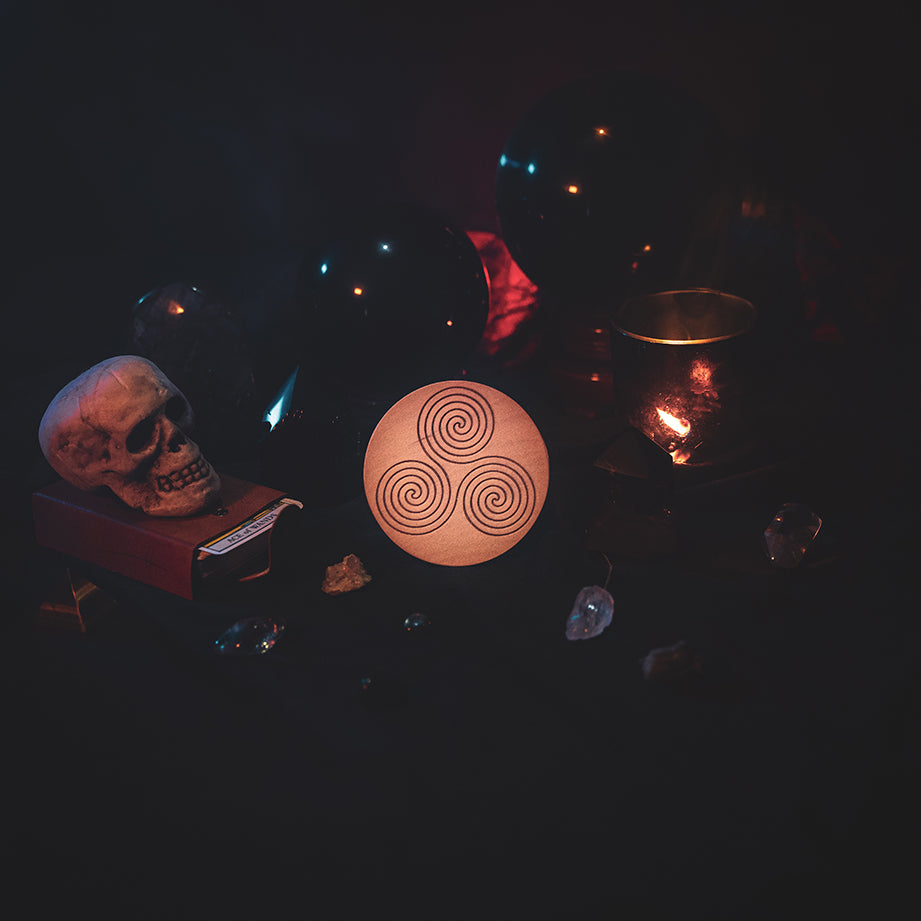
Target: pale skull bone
column 122, row 424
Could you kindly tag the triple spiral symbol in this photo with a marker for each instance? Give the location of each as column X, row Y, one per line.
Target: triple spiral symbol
column 496, row 495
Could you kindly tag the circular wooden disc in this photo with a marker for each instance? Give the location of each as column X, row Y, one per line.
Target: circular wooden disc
column 456, row 473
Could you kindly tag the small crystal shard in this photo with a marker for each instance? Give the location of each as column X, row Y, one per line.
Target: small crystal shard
column 671, row 663
column 591, row 613
column 345, row 576
column 791, row 533
column 251, row 636
column 415, row 622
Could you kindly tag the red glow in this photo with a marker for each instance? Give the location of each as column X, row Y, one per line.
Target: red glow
column 449, row 323
column 572, row 189
column 512, row 297
column 647, row 248
column 753, row 209
column 827, row 332
column 175, row 308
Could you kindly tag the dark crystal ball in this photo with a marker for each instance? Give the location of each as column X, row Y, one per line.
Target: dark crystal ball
column 605, row 179
column 316, row 449
column 394, row 299
column 199, row 342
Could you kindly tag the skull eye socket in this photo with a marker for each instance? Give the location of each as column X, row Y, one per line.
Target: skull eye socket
column 175, row 408
column 140, row 436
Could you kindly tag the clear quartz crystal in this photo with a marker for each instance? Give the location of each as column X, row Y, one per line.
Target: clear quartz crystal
column 790, row 534
column 251, row 636
column 591, row 613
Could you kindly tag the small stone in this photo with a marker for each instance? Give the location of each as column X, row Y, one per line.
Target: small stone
column 671, row 663
column 345, row 577
column 790, row 534
column 415, row 622
column 591, row 613
column 252, row 636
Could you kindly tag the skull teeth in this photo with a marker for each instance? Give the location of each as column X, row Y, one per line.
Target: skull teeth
column 179, row 479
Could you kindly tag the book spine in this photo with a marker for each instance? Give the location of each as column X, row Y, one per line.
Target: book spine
column 146, row 555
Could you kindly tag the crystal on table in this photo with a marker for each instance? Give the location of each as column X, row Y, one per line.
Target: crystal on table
column 790, row 534
column 252, row 636
column 671, row 663
column 346, row 576
column 592, row 612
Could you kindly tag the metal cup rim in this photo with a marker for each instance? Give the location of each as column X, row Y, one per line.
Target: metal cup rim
column 746, row 306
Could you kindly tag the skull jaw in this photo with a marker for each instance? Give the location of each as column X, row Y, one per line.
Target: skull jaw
column 192, row 499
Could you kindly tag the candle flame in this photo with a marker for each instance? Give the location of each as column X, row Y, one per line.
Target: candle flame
column 175, row 308
column 679, row 456
column 677, row 425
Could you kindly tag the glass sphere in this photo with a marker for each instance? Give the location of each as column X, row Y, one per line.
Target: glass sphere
column 315, row 449
column 198, row 341
column 395, row 299
column 604, row 179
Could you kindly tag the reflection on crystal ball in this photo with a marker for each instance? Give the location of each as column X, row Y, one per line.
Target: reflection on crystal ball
column 415, row 622
column 604, row 178
column 394, row 299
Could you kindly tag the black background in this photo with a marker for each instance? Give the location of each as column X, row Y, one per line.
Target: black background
column 217, row 141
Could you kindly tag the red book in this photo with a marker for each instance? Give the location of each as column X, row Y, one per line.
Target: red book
column 173, row 554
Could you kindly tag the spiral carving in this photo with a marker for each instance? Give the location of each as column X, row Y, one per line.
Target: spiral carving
column 456, row 473
column 414, row 497
column 498, row 496
column 455, row 425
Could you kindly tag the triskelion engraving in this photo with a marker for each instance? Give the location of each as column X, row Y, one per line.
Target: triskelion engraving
column 497, row 495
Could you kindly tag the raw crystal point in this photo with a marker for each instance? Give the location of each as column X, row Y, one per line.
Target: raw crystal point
column 592, row 612
column 345, row 577
column 787, row 538
column 251, row 636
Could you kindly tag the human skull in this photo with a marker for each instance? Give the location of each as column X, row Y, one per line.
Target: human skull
column 122, row 424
